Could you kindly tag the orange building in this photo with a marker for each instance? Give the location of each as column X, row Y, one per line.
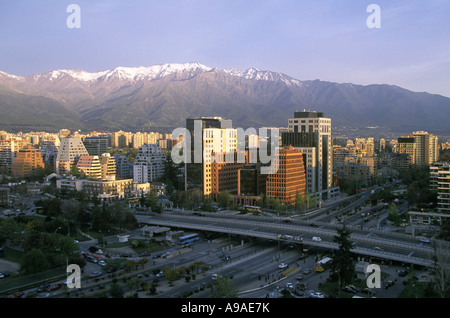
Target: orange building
column 27, row 161
column 290, row 179
column 224, row 174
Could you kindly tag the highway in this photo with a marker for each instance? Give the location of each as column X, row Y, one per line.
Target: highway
column 370, row 242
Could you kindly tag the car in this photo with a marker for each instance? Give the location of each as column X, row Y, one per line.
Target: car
column 316, row 238
column 402, row 273
column 424, row 240
column 55, row 287
column 354, row 288
column 306, row 271
column 350, row 289
column 289, row 286
column 216, row 276
column 102, row 263
column 18, row 294
column 299, row 277
column 301, row 286
column 368, row 291
column 388, row 284
column 95, row 274
column 3, row 275
column 316, row 295
column 283, row 266
column 43, row 288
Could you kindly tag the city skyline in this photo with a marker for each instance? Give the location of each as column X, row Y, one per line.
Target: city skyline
column 410, row 49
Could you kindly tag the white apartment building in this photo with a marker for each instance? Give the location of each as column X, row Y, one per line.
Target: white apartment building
column 149, row 164
column 69, row 152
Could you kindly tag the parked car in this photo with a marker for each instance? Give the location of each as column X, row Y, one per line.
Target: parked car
column 388, row 284
column 95, row 274
column 43, row 288
column 402, row 273
column 368, row 291
column 316, row 295
column 347, row 289
column 55, row 287
column 3, row 275
column 18, row 294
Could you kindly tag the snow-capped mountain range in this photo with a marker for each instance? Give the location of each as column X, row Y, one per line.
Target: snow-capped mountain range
column 144, row 98
column 152, row 73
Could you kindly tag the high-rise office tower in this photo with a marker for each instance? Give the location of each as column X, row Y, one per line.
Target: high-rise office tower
column 289, row 180
column 208, row 135
column 310, row 132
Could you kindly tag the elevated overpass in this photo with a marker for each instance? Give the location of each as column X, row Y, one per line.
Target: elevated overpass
column 383, row 245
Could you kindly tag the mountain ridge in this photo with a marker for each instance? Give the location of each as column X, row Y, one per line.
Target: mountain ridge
column 164, row 95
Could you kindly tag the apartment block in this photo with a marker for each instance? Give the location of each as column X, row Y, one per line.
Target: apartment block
column 70, row 150
column 421, row 147
column 440, row 180
column 90, row 166
column 149, row 164
column 27, row 161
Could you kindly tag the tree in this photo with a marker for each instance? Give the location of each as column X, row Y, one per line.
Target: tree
column 34, row 261
column 224, row 199
column 443, row 234
column 299, row 203
column 393, row 214
column 116, row 291
column 76, row 172
column 222, row 289
column 171, row 274
column 440, row 270
column 342, row 268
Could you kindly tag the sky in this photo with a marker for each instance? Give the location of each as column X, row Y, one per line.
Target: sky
column 328, row 40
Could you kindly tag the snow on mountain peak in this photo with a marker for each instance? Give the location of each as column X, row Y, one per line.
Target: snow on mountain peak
column 259, row 75
column 156, row 72
column 4, row 74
